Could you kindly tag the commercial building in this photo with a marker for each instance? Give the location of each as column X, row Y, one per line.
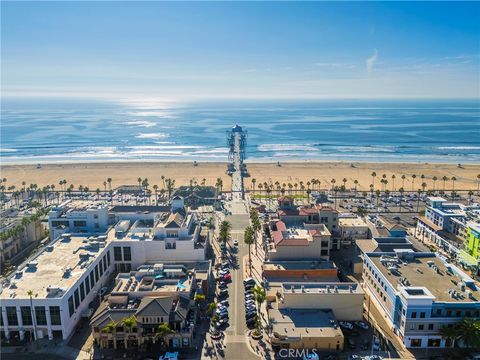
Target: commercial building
column 472, row 240
column 305, row 315
column 47, row 297
column 155, row 294
column 309, row 242
column 352, row 227
column 67, row 275
column 294, row 216
column 78, row 217
column 419, row 293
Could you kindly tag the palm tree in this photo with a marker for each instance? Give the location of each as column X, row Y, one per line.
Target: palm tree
column 34, row 320
column 478, row 184
column 418, row 198
column 256, row 225
column 424, row 185
column 374, row 175
column 253, row 184
column 211, row 307
column 393, row 182
column 401, row 198
column 333, row 181
column 110, row 328
column 403, row 181
column 105, row 186
column 356, row 184
column 199, row 300
column 434, row 182
column 109, row 181
column 155, row 188
column 344, row 180
column 453, row 182
column 413, row 181
column 260, row 295
column 129, row 324
column 445, row 179
column 466, row 331
column 162, row 331
column 248, row 238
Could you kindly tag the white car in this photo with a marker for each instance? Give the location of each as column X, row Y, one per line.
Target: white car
column 235, row 242
column 345, row 325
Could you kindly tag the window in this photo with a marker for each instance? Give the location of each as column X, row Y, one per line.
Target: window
column 1, row 318
column 96, row 273
column 105, row 263
column 324, row 252
column 414, row 315
column 117, row 253
column 449, row 313
column 12, row 315
column 421, row 326
column 55, row 317
column 79, row 223
column 87, row 286
column 458, row 313
column 92, row 279
column 430, row 326
column 433, row 342
column 422, row 315
column 324, row 243
column 76, row 298
column 71, row 309
column 108, row 257
column 100, row 267
column 40, row 315
column 82, row 292
column 26, row 315
column 416, row 342
column 439, row 312
column 127, row 254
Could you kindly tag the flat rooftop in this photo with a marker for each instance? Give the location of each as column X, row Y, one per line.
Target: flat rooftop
column 321, row 288
column 419, row 272
column 299, row 265
column 303, row 323
column 357, row 222
column 59, row 265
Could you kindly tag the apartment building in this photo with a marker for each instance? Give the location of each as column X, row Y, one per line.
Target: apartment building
column 419, row 293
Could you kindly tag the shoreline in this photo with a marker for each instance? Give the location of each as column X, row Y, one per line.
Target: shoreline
column 93, row 174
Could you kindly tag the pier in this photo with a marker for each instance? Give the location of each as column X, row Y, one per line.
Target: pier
column 236, row 141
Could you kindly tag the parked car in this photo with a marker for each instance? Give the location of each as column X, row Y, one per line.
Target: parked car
column 249, row 286
column 235, row 242
column 345, row 325
column 249, row 281
column 227, row 277
column 354, row 357
column 224, row 303
column 362, row 325
column 376, row 344
column 373, row 357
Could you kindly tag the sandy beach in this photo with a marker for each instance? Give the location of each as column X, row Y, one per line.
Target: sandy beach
column 93, row 175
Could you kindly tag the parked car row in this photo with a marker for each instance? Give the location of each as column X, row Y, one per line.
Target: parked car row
column 250, row 305
column 223, row 279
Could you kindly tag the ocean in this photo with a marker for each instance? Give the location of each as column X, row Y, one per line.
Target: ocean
column 78, row 130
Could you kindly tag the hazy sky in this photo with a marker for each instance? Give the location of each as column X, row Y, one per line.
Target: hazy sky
column 246, row 50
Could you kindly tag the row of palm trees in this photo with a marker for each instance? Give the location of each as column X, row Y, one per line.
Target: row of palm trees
column 129, row 323
column 22, row 227
column 316, row 184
